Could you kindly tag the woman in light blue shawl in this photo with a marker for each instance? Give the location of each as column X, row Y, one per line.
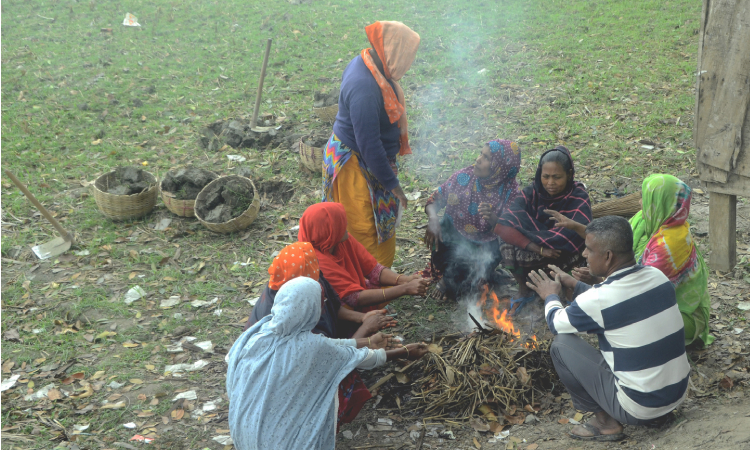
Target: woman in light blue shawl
column 282, row 379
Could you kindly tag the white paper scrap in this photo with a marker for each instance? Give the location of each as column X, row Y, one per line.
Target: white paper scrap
column 131, row 21
column 134, row 294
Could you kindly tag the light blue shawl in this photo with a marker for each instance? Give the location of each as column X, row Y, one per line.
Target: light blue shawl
column 282, row 378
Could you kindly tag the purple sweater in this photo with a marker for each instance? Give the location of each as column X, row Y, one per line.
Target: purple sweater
column 362, row 123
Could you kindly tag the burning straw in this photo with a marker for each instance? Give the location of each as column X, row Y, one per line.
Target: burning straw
column 490, row 371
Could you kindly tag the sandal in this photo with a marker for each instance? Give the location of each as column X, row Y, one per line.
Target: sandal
column 521, row 302
column 596, row 434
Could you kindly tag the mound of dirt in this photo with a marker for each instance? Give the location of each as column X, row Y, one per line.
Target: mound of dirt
column 275, row 191
column 224, row 201
column 322, row 99
column 186, row 183
column 128, row 181
column 237, row 134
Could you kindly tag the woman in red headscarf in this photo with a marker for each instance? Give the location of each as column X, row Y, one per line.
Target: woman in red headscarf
column 359, row 280
column 359, row 165
column 299, row 260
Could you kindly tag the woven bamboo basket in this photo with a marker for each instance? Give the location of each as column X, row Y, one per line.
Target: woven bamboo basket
column 626, row 206
column 327, row 113
column 311, row 157
column 122, row 207
column 238, row 223
column 183, row 208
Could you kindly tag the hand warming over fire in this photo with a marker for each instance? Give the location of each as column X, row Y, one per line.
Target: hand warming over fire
column 489, row 216
column 374, row 321
column 565, row 279
column 543, row 285
column 381, row 340
column 432, row 233
column 417, row 286
column 583, row 274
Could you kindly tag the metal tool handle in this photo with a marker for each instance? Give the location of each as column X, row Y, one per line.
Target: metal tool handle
column 254, row 120
column 39, row 206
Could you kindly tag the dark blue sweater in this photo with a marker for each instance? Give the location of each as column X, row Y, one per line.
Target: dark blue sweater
column 362, row 123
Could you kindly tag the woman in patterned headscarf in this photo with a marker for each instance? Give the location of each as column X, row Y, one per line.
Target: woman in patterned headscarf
column 359, row 164
column 465, row 250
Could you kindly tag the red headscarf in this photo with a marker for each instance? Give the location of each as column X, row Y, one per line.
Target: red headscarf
column 323, row 225
column 294, row 260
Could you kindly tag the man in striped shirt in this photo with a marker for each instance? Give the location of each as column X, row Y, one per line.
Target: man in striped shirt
column 641, row 371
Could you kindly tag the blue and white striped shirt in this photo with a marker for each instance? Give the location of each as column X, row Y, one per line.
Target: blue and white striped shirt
column 641, row 336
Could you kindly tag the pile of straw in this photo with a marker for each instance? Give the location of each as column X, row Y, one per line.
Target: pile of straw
column 488, row 372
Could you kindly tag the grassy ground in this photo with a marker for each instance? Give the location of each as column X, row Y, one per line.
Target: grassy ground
column 82, row 94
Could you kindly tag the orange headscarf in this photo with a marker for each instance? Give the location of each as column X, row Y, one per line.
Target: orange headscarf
column 295, row 260
column 396, row 46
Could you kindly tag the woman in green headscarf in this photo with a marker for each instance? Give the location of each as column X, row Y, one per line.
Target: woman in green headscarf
column 662, row 239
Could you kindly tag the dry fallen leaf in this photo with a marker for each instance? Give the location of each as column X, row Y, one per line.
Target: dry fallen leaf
column 132, row 275
column 563, row 421
column 136, row 381
column 88, row 392
column 578, row 417
column 177, row 414
column 117, row 405
column 154, row 402
column 54, row 394
column 97, row 375
column 402, row 378
column 8, row 365
column 726, row 383
column 479, row 424
column 477, row 444
column 142, row 397
column 523, row 377
column 130, row 345
column 532, row 446
column 434, row 348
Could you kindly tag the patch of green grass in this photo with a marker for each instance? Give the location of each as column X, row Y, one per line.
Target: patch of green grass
column 78, row 100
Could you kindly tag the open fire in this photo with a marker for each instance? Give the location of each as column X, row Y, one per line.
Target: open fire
column 497, row 314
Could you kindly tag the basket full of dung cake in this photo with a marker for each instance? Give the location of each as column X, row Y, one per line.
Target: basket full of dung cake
column 180, row 187
column 125, row 193
column 227, row 204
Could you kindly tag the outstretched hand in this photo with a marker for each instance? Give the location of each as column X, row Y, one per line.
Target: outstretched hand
column 417, row 286
column 565, row 279
column 544, row 285
column 382, row 340
column 376, row 320
column 583, row 274
column 417, row 351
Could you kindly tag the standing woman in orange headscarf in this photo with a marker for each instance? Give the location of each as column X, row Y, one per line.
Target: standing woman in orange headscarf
column 359, row 165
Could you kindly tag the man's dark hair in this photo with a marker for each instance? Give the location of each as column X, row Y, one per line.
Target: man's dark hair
column 614, row 232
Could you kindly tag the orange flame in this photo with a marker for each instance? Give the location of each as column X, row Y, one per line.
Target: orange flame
column 500, row 319
column 532, row 343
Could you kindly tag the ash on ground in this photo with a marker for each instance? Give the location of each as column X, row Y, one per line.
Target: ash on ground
column 224, row 201
column 128, row 181
column 186, row 183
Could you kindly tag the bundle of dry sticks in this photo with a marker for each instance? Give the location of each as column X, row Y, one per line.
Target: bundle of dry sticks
column 486, row 372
